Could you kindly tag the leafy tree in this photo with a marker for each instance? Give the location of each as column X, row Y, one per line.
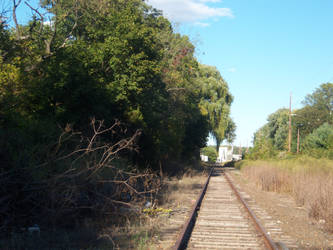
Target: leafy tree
column 127, row 64
column 320, row 138
column 263, row 147
column 278, row 128
column 240, row 150
column 322, row 99
column 215, row 103
column 109, row 60
column 211, row 152
column 275, row 130
column 308, row 118
column 317, row 111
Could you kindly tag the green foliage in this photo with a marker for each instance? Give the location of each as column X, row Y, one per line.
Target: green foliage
column 273, row 134
column 321, row 98
column 317, row 111
column 211, row 152
column 263, row 147
column 308, row 118
column 320, row 141
column 215, row 103
column 240, row 150
column 112, row 60
column 186, row 127
column 320, row 137
column 314, row 122
column 278, row 128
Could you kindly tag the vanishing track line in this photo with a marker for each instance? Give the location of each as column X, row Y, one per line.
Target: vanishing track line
column 223, row 220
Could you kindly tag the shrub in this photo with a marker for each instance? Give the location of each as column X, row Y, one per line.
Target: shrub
column 320, row 138
column 210, row 151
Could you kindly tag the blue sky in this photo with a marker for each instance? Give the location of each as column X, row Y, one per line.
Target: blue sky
column 264, row 49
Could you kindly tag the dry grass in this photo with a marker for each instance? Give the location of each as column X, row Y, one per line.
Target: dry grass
column 176, row 190
column 177, row 194
column 130, row 228
column 309, row 181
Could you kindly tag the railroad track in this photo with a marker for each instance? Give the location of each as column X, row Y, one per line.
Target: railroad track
column 222, row 219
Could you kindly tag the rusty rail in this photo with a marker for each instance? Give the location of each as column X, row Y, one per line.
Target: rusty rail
column 182, row 240
column 267, row 240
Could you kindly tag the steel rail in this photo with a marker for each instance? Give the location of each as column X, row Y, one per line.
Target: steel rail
column 182, row 240
column 267, row 240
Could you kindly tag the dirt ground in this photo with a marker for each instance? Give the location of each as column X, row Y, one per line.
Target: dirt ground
column 293, row 220
column 179, row 197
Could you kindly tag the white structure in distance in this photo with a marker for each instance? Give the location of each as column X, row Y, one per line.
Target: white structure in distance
column 236, row 157
column 204, row 158
column 225, row 154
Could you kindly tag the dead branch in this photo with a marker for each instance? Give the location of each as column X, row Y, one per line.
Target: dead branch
column 18, row 30
column 40, row 15
column 108, row 151
column 81, row 185
column 69, row 35
column 3, row 14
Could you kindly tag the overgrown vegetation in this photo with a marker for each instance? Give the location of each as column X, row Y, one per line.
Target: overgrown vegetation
column 211, row 152
column 313, row 123
column 97, row 98
column 306, row 171
column 307, row 179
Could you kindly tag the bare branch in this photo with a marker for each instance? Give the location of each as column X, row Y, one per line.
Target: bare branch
column 69, row 35
column 95, row 182
column 4, row 10
column 40, row 15
column 18, row 30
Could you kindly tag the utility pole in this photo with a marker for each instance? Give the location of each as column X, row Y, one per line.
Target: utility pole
column 289, row 141
column 297, row 140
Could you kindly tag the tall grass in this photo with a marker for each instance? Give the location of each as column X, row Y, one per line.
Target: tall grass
column 308, row 180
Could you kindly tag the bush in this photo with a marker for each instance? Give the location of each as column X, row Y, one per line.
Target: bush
column 319, row 143
column 210, row 151
column 262, row 149
column 320, row 138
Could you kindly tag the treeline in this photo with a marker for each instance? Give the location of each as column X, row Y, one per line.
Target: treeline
column 91, row 94
column 312, row 129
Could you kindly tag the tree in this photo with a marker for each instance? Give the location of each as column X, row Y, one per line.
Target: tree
column 278, row 128
column 210, row 152
column 128, row 64
column 275, row 130
column 263, row 147
column 320, row 138
column 322, row 99
column 317, row 110
column 313, row 122
column 215, row 103
column 118, row 66
column 308, row 118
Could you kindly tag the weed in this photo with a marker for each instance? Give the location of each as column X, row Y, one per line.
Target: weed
column 308, row 180
column 157, row 211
